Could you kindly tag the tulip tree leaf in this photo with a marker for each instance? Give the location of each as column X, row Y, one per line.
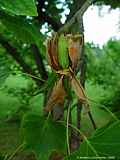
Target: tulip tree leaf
column 43, row 136
column 105, row 143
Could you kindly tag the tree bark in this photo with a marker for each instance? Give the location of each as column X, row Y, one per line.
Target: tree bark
column 39, row 62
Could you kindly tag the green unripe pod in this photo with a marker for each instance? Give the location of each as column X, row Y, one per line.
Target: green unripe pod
column 63, row 56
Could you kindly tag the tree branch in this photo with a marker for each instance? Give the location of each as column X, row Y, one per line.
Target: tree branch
column 76, row 16
column 39, row 62
column 16, row 56
column 41, row 3
column 77, row 4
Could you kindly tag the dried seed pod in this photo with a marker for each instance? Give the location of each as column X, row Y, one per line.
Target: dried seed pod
column 63, row 56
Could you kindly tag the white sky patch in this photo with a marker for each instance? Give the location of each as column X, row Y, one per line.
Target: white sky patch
column 100, row 29
column 63, row 1
column 59, row 6
column 67, row 11
column 44, row 28
column 46, row 2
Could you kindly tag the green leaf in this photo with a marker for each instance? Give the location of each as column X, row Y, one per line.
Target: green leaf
column 19, row 7
column 105, row 142
column 43, row 135
column 4, row 69
column 22, row 29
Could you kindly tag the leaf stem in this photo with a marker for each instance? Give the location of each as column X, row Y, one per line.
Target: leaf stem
column 67, row 129
column 16, row 150
column 104, row 107
column 30, row 75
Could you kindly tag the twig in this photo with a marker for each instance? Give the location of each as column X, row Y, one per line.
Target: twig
column 92, row 120
column 32, row 76
column 104, row 107
column 39, row 62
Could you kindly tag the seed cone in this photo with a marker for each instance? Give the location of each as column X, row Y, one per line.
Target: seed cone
column 64, row 51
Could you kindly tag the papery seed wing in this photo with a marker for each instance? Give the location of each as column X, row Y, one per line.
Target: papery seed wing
column 52, row 53
column 75, row 46
column 54, row 50
column 57, row 96
column 78, row 89
column 48, row 53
